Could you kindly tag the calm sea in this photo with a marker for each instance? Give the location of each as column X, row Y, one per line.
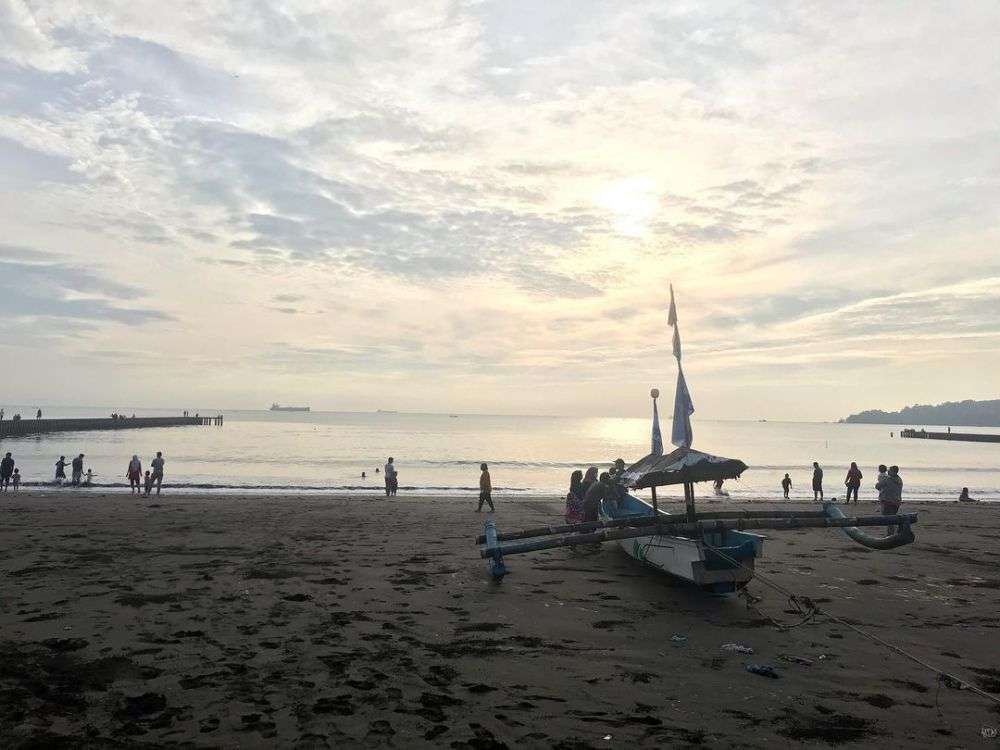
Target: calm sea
column 440, row 453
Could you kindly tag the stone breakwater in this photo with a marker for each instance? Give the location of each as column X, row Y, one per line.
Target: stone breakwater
column 18, row 427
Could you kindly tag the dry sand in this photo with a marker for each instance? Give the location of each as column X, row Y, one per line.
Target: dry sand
column 359, row 622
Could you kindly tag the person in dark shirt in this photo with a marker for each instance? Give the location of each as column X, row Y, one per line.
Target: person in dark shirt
column 6, row 471
column 589, row 479
column 853, row 482
column 602, row 489
column 77, row 469
column 817, row 482
column 786, row 485
column 61, row 470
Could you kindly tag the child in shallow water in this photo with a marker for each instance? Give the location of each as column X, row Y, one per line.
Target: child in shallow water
column 16, row 479
column 149, row 483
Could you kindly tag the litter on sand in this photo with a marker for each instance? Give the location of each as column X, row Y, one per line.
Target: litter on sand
column 764, row 670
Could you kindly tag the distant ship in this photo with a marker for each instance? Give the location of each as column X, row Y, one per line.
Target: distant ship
column 276, row 407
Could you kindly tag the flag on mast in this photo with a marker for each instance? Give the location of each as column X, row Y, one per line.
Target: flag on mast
column 681, row 435
column 656, row 448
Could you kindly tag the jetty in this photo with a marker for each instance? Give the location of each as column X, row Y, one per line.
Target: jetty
column 971, row 437
column 10, row 428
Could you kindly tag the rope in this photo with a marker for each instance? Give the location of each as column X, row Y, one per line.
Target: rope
column 942, row 676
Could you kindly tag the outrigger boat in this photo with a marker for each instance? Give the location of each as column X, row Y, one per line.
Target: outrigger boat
column 713, row 551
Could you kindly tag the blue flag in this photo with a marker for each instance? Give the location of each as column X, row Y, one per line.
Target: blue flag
column 681, row 435
column 657, row 444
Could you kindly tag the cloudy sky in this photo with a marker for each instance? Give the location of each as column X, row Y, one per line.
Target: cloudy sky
column 478, row 206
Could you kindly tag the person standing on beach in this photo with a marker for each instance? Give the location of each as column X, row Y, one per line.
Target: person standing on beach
column 157, row 477
column 391, row 484
column 880, row 481
column 77, row 469
column 134, row 474
column 6, row 471
column 602, row 489
column 60, row 470
column 786, row 485
column 589, row 480
column 485, row 489
column 574, row 498
column 16, row 479
column 890, row 492
column 817, row 482
column 853, row 482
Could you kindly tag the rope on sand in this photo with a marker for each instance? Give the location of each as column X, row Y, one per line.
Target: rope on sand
column 809, row 608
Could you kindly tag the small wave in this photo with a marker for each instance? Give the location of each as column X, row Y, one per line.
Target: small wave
column 280, row 487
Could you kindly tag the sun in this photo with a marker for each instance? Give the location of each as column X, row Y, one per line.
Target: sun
column 633, row 201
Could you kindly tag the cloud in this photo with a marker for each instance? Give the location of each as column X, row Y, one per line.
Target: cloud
column 25, row 41
column 38, row 286
column 524, row 180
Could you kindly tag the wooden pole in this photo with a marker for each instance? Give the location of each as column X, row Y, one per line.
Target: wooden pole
column 689, row 501
column 697, row 529
column 666, row 520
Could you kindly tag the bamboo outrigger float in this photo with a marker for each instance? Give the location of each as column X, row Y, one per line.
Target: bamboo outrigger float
column 714, row 551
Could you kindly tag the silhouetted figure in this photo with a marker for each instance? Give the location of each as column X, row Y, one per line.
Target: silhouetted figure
column 6, row 471
column 574, row 498
column 589, row 480
column 157, row 477
column 890, row 487
column 602, row 489
column 391, row 478
column 964, row 496
column 786, row 485
column 485, row 489
column 853, row 482
column 61, row 470
column 38, row 415
column 134, row 474
column 15, row 479
column 77, row 470
column 817, row 482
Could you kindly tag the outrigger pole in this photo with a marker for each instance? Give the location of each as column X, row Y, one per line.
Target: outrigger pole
column 666, row 520
column 699, row 528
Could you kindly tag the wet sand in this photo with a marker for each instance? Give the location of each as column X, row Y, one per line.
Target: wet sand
column 320, row 622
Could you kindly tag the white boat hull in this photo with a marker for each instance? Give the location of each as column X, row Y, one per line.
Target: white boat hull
column 717, row 562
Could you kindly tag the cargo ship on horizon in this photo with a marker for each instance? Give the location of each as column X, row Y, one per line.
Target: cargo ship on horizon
column 278, row 407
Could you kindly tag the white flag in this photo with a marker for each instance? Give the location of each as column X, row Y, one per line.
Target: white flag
column 681, row 434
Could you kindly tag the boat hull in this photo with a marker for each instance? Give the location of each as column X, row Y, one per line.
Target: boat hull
column 719, row 563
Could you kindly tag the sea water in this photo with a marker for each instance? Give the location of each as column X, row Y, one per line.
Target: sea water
column 263, row 451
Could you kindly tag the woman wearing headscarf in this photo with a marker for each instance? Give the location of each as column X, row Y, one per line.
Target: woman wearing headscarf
column 574, row 498
column 588, row 479
column 134, row 474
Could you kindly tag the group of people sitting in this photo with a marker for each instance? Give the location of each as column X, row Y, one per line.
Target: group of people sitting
column 587, row 490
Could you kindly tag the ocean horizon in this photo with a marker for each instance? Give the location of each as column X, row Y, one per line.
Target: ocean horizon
column 440, row 453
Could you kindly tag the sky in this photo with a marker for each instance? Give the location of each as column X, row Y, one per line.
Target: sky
column 480, row 206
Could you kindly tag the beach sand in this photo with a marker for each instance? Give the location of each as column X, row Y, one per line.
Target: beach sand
column 320, row 622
